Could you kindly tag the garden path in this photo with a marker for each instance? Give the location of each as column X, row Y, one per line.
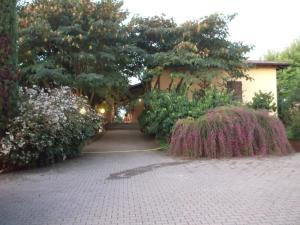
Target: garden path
column 122, row 141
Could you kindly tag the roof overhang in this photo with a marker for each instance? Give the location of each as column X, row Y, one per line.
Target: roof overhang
column 263, row 63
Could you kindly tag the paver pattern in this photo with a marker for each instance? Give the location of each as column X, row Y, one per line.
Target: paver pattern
column 122, row 140
column 153, row 188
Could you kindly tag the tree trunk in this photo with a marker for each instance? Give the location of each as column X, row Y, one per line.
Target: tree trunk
column 170, row 85
column 179, row 84
column 92, row 97
column 156, row 85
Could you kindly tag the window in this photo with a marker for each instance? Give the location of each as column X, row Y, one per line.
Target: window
column 236, row 88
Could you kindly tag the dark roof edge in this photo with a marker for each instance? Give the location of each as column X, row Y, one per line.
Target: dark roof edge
column 278, row 65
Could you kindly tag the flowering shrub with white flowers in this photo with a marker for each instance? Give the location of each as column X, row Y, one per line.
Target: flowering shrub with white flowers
column 52, row 126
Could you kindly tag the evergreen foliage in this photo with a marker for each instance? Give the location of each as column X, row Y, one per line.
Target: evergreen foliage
column 8, row 60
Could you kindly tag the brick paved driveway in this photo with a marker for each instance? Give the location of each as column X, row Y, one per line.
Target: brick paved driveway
column 152, row 188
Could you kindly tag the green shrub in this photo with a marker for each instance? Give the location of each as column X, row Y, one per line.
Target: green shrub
column 294, row 128
column 51, row 126
column 164, row 108
column 262, row 100
column 230, row 132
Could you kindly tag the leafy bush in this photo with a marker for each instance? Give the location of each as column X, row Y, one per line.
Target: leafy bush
column 49, row 127
column 230, row 132
column 164, row 108
column 262, row 100
column 294, row 128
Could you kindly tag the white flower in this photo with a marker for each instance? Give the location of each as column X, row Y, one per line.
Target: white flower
column 47, row 119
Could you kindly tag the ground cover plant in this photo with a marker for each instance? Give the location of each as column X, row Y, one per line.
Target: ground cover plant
column 230, row 132
column 51, row 126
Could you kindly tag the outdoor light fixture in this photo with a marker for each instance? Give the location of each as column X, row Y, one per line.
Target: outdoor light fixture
column 102, row 110
column 140, row 100
column 82, row 111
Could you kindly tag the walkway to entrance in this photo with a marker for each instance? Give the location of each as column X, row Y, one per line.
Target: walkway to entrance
column 152, row 188
column 123, row 140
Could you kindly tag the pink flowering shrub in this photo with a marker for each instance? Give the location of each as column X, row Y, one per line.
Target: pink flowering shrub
column 230, row 132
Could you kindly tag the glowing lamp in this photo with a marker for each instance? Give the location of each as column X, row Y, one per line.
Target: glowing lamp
column 82, row 111
column 102, row 110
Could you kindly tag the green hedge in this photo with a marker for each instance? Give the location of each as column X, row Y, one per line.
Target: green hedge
column 164, row 108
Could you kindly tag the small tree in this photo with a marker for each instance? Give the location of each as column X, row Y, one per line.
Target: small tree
column 263, row 100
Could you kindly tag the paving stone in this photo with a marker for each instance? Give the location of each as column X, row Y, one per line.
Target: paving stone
column 152, row 188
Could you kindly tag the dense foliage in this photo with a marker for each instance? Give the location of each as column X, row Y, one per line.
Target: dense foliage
column 263, row 100
column 8, row 59
column 163, row 109
column 288, row 81
column 82, row 44
column 51, row 126
column 230, row 132
column 294, row 128
column 87, row 45
column 200, row 48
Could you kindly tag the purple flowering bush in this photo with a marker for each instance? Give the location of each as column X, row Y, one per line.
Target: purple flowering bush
column 230, row 132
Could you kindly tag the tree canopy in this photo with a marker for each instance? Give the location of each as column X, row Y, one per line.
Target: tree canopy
column 200, row 48
column 90, row 46
column 79, row 43
column 288, row 80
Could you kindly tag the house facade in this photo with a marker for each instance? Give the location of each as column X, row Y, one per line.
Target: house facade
column 263, row 77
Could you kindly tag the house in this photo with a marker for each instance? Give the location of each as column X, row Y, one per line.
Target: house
column 262, row 73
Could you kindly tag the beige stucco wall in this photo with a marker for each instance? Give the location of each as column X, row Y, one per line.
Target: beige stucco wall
column 165, row 80
column 137, row 111
column 264, row 79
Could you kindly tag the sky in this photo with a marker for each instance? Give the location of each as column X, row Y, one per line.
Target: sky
column 264, row 24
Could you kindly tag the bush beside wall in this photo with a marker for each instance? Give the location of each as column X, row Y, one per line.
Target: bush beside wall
column 230, row 132
column 164, row 108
